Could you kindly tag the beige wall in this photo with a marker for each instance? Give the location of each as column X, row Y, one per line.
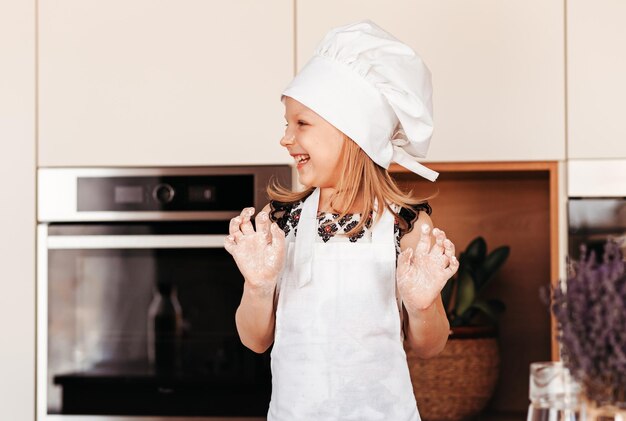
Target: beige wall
column 17, row 210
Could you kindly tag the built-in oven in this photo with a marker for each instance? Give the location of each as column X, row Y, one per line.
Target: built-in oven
column 137, row 296
column 593, row 221
column 596, row 207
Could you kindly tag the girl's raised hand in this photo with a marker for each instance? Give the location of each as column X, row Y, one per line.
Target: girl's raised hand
column 422, row 273
column 260, row 254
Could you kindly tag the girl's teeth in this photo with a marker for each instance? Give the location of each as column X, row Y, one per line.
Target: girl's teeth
column 301, row 158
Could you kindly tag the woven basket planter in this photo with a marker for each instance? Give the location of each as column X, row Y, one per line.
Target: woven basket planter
column 458, row 383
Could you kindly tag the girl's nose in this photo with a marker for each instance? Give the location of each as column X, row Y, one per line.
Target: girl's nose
column 288, row 139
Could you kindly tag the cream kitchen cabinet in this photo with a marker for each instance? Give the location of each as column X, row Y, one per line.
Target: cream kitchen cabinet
column 596, row 65
column 497, row 66
column 143, row 82
column 17, row 213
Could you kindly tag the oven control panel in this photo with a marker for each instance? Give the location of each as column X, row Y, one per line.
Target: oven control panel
column 185, row 193
column 148, row 194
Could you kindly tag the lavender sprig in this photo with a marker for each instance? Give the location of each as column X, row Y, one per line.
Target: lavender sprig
column 590, row 309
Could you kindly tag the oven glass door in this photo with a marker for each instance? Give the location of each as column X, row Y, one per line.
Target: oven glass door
column 139, row 319
column 593, row 221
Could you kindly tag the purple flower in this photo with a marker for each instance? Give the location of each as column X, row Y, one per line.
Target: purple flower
column 590, row 309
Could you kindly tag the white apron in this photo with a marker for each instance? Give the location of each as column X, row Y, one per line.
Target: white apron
column 338, row 351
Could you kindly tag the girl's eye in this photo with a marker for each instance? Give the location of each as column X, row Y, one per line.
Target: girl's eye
column 300, row 123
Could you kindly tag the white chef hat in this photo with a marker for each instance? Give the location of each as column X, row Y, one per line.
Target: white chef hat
column 373, row 88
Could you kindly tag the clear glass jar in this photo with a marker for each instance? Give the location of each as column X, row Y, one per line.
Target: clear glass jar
column 554, row 395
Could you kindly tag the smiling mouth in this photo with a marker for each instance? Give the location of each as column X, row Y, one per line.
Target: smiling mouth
column 301, row 159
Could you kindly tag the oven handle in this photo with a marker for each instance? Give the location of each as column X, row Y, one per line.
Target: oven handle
column 56, row 242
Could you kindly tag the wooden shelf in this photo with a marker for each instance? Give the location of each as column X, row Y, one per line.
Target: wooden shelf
column 447, row 167
column 507, row 203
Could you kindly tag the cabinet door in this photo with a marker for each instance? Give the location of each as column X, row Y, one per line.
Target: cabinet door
column 497, row 67
column 596, row 65
column 173, row 82
column 18, row 211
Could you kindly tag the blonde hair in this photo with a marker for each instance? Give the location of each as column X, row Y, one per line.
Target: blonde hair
column 360, row 176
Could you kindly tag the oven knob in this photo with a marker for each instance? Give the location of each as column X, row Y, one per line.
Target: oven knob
column 163, row 193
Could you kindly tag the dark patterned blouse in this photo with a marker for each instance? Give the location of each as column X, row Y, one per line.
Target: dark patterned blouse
column 287, row 215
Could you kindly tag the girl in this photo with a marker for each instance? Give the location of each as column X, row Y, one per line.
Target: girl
column 325, row 280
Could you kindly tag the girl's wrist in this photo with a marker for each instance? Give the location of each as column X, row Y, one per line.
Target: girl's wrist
column 423, row 313
column 259, row 289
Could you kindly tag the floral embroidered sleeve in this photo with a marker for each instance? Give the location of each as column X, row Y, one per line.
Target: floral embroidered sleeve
column 409, row 216
column 286, row 215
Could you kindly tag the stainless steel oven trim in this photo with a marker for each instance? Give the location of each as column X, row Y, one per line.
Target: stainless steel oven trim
column 135, row 418
column 56, row 242
column 146, row 216
column 42, row 325
column 150, row 171
column 596, row 178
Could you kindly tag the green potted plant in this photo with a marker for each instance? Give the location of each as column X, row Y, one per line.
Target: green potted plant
column 458, row 383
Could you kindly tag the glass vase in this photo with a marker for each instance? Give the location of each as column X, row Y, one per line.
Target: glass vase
column 554, row 395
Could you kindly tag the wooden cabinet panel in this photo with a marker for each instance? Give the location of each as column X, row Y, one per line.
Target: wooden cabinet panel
column 596, row 65
column 498, row 69
column 187, row 82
